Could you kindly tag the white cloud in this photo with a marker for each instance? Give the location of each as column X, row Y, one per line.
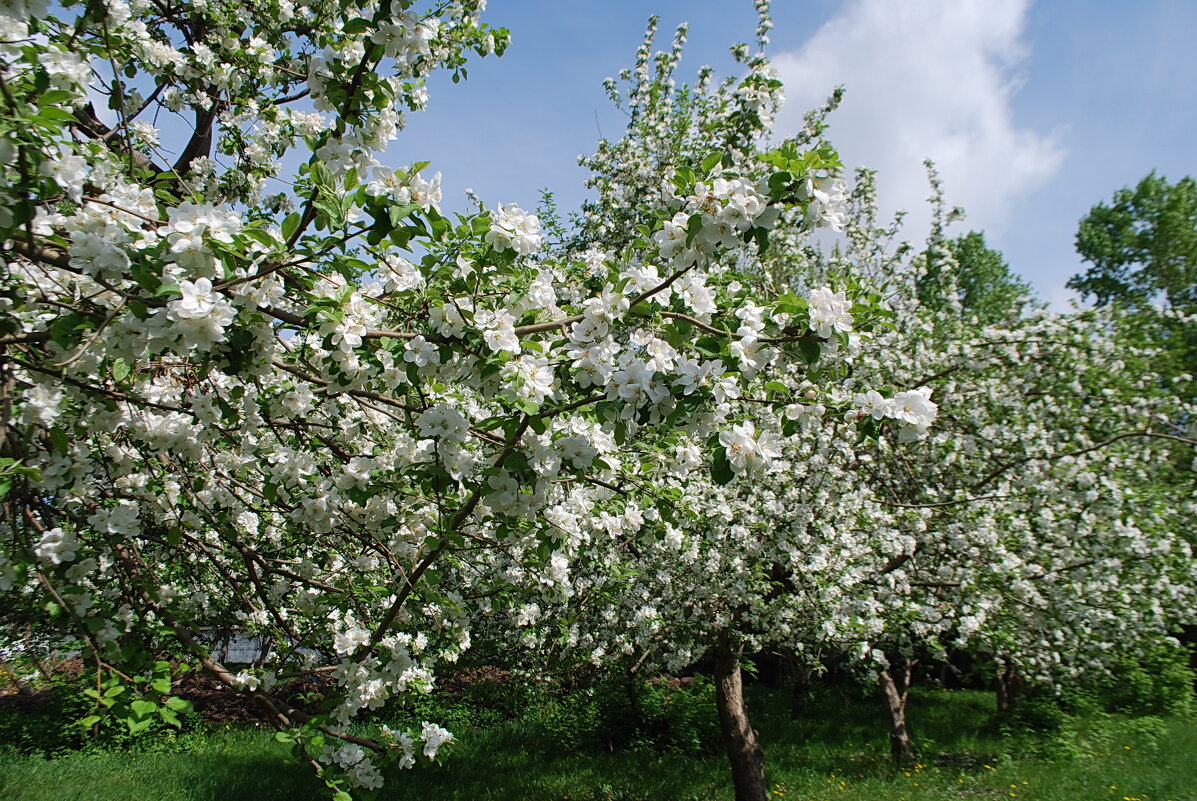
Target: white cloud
column 925, row 79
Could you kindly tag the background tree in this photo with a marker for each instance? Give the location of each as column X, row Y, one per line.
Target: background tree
column 982, row 282
column 1143, row 246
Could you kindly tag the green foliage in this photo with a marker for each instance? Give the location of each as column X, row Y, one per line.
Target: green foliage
column 621, row 715
column 1143, row 246
column 984, row 285
column 62, row 718
column 478, row 705
column 1143, row 251
column 1038, row 712
column 1158, row 683
column 1128, row 702
column 613, row 714
column 838, row 750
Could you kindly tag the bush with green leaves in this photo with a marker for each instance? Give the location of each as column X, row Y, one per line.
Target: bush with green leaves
column 49, row 721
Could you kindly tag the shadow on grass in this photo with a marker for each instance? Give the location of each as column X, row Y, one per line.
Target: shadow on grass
column 251, row 772
column 519, row 763
column 839, row 744
column 846, row 732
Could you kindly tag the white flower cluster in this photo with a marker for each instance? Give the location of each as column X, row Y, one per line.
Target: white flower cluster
column 404, row 188
column 433, row 737
column 748, row 453
column 515, row 229
column 57, row 546
column 263, row 411
column 191, row 226
column 827, row 203
column 829, row 312
column 200, row 315
column 914, row 409
column 728, row 207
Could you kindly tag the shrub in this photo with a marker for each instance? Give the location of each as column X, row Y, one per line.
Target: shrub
column 639, row 715
column 1158, row 683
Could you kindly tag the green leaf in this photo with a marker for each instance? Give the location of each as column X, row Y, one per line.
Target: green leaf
column 290, row 225
column 52, row 113
column 55, row 97
column 136, row 726
column 179, row 705
column 161, row 684
column 59, row 441
column 121, row 370
column 762, row 239
column 528, row 407
column 141, row 707
column 260, row 236
column 322, row 176
column 170, row 717
column 90, row 721
column 711, row 160
column 65, row 330
column 721, row 469
column 402, row 237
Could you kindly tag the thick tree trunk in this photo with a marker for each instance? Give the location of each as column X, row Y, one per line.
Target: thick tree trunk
column 739, row 739
column 1010, row 687
column 895, row 683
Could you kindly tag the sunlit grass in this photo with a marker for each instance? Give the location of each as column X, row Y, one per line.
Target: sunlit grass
column 835, row 752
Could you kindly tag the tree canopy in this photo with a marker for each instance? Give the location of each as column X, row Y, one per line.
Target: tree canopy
column 1142, row 246
column 361, row 430
column 984, row 285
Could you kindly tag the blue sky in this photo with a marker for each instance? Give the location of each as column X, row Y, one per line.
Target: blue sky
column 1034, row 111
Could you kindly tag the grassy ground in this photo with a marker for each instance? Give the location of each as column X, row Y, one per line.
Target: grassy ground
column 837, row 751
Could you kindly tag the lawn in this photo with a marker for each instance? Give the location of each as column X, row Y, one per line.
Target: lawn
column 836, row 751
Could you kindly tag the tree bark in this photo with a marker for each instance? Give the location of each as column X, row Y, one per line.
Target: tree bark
column 895, row 683
column 739, row 738
column 1010, row 687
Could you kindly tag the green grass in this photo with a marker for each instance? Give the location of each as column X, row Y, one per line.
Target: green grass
column 836, row 752
column 228, row 765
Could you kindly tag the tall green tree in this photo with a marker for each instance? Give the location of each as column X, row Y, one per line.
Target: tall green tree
column 1143, row 252
column 1142, row 246
column 981, row 281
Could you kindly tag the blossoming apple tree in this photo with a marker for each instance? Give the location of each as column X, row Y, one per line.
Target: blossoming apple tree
column 690, row 560
column 252, row 378
column 845, row 523
column 1043, row 528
